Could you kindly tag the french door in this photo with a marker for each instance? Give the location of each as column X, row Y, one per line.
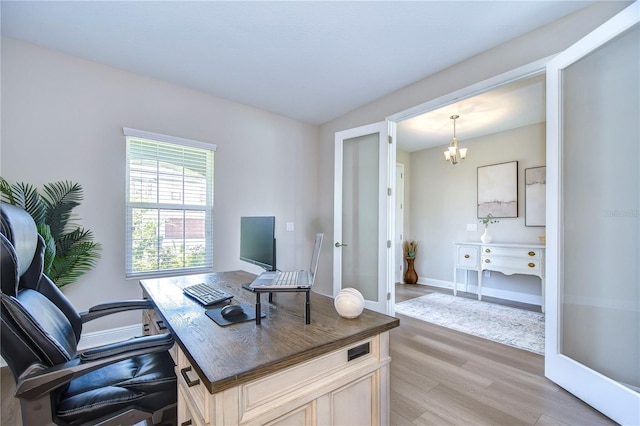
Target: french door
column 364, row 214
column 593, row 218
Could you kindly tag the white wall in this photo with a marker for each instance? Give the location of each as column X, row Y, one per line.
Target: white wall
column 444, row 200
column 538, row 44
column 62, row 119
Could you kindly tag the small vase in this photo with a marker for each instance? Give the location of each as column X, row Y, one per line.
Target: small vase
column 410, row 276
column 486, row 236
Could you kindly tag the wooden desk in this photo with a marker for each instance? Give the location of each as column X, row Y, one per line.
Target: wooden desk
column 282, row 371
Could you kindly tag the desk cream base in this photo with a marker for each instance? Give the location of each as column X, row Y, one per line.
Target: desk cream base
column 506, row 258
column 327, row 390
column 283, row 372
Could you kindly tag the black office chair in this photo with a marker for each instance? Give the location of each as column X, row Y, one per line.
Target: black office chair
column 118, row 384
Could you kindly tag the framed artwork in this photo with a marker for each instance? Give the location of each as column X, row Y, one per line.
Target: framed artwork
column 498, row 190
column 535, row 188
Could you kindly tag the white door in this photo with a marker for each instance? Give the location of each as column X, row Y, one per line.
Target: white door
column 593, row 219
column 364, row 214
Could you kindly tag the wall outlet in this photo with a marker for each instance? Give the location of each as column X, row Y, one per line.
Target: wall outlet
column 289, row 226
column 487, row 274
column 472, row 226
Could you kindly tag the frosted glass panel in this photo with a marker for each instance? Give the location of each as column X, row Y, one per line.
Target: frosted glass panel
column 600, row 277
column 360, row 215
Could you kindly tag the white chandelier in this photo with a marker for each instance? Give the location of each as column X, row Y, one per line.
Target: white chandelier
column 454, row 154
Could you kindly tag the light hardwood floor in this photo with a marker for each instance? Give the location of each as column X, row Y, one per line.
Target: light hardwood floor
column 443, row 377
column 440, row 376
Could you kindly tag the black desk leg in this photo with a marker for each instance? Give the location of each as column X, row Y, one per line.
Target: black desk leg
column 307, row 309
column 258, row 310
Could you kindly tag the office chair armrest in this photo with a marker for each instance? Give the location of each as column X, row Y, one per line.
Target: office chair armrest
column 38, row 380
column 114, row 307
column 155, row 343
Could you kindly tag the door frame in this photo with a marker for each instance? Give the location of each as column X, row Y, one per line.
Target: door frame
column 526, row 71
column 529, row 70
column 398, row 233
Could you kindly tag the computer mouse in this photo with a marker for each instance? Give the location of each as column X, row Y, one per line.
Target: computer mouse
column 231, row 311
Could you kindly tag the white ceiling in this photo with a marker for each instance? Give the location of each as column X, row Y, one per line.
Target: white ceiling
column 312, row 61
column 513, row 105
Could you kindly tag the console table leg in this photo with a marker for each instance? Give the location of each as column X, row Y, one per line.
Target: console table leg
column 466, row 281
column 455, row 280
column 307, row 308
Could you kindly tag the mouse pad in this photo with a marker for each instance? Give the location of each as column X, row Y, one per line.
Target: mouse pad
column 248, row 315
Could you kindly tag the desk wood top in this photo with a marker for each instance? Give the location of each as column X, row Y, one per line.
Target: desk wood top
column 225, row 357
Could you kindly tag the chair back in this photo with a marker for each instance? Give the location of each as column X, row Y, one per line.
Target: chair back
column 39, row 325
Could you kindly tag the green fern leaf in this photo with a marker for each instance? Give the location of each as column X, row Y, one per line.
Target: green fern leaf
column 49, row 247
column 79, row 259
column 69, row 249
column 60, row 198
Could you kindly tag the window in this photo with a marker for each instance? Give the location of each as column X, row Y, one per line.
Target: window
column 169, row 217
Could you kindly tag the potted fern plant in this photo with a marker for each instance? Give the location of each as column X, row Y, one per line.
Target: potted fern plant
column 70, row 251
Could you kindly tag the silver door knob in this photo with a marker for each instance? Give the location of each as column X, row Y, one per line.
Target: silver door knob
column 340, row 245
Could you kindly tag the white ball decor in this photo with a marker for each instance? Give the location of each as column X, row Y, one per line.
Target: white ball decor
column 349, row 303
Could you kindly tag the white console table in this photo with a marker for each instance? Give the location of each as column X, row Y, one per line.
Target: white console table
column 509, row 259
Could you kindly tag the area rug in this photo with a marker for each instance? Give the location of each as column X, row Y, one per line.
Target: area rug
column 510, row 326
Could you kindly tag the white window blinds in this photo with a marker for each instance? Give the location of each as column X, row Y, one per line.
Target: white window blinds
column 169, row 205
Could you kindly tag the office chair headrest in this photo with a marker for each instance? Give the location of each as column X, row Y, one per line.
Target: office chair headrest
column 20, row 231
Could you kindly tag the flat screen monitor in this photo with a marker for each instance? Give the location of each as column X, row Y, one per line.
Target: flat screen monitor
column 257, row 241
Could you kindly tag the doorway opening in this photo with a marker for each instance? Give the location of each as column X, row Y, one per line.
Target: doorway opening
column 501, row 119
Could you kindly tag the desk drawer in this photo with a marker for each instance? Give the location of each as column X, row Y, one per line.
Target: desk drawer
column 153, row 324
column 156, row 324
column 523, row 253
column 467, row 257
column 187, row 415
column 510, row 265
column 193, row 388
column 308, row 378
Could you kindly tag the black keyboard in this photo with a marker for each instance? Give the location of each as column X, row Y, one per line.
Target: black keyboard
column 206, row 295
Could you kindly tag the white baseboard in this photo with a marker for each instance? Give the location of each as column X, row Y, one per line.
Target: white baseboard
column 103, row 337
column 436, row 283
column 531, row 299
column 111, row 335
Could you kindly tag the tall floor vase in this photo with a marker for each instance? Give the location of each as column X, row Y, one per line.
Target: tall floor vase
column 410, row 275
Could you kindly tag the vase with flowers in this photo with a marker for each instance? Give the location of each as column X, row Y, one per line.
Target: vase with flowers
column 486, row 221
column 410, row 250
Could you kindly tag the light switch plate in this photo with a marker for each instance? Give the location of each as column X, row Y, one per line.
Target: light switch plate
column 289, row 226
column 472, row 226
